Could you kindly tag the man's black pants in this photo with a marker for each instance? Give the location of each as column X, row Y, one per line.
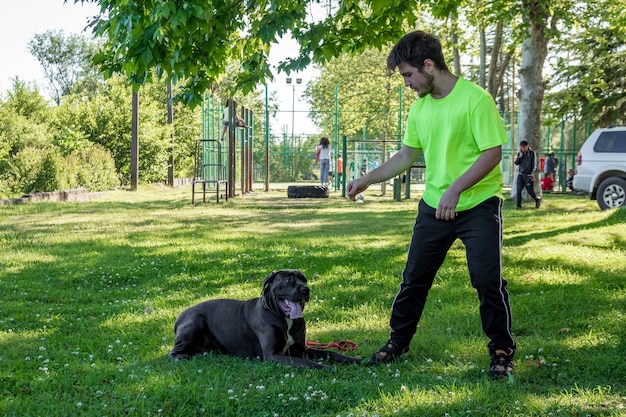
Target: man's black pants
column 480, row 230
column 525, row 181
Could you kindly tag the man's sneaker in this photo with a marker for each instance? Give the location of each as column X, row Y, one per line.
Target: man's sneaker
column 388, row 353
column 538, row 203
column 501, row 365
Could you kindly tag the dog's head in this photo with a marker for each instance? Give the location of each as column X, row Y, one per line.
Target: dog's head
column 284, row 293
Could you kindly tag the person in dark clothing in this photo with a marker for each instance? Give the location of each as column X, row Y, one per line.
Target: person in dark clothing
column 550, row 164
column 526, row 163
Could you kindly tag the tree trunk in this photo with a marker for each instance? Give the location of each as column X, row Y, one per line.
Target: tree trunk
column 492, row 84
column 455, row 45
column 534, row 52
column 482, row 77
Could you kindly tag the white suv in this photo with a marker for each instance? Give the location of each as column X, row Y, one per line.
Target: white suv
column 602, row 167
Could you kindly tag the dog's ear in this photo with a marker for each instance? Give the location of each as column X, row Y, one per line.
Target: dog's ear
column 267, row 281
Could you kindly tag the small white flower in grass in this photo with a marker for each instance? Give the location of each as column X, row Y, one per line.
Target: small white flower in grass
column 403, row 388
column 79, row 404
column 260, row 387
column 429, row 360
column 230, row 391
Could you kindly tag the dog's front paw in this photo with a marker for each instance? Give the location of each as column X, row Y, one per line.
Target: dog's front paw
column 179, row 356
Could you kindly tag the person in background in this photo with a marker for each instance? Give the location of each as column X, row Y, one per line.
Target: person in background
column 550, row 165
column 322, row 156
column 527, row 163
column 339, row 169
column 570, row 179
column 547, row 182
column 456, row 125
column 363, row 168
column 239, row 122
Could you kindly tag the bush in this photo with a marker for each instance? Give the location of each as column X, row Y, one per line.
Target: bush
column 40, row 170
column 36, row 170
column 94, row 168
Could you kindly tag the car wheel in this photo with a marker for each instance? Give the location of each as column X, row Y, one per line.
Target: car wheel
column 611, row 193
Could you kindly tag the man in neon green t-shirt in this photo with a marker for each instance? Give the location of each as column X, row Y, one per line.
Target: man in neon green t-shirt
column 456, row 125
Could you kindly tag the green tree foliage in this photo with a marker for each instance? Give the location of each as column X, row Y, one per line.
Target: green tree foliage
column 65, row 61
column 589, row 79
column 368, row 97
column 191, row 41
column 23, row 118
column 105, row 119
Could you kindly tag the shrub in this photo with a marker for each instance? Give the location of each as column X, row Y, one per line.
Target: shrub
column 39, row 170
column 94, row 168
column 36, row 170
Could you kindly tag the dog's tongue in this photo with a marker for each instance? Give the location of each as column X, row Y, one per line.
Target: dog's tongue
column 296, row 309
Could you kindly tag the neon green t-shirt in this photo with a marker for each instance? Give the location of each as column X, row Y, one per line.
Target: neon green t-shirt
column 453, row 132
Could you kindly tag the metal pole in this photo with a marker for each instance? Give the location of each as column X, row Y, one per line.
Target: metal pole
column 267, row 141
column 170, row 120
column 345, row 164
column 134, row 143
column 293, row 111
column 336, row 129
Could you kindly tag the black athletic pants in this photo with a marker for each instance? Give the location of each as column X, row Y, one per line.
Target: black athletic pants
column 480, row 230
column 525, row 181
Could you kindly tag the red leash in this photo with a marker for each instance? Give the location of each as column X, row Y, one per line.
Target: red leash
column 341, row 345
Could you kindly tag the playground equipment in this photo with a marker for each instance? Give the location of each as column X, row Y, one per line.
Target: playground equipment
column 209, row 169
column 216, row 158
column 235, row 153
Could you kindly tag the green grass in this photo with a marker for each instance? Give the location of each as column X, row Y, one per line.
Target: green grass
column 89, row 294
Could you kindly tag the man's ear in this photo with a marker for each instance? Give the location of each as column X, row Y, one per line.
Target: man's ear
column 429, row 65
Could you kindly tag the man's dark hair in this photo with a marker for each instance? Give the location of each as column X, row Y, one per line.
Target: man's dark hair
column 523, row 143
column 414, row 48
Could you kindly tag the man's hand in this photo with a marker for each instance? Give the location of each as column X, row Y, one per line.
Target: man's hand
column 446, row 210
column 355, row 187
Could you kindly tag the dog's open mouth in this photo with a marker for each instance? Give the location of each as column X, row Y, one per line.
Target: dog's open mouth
column 292, row 309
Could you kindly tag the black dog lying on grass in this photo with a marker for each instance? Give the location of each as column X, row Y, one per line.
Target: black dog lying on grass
column 270, row 327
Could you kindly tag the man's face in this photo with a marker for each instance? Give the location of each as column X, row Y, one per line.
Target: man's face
column 523, row 148
column 419, row 81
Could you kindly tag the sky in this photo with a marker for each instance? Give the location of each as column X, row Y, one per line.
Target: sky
column 20, row 20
